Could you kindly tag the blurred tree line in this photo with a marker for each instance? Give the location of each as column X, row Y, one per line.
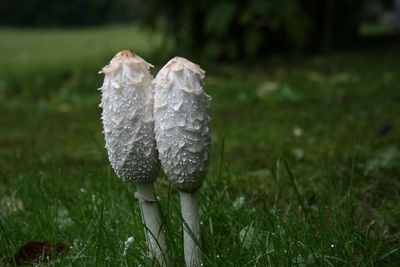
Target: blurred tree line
column 61, row 13
column 230, row 29
column 217, row 29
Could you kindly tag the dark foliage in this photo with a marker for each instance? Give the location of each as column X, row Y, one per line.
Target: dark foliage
column 211, row 29
column 66, row 13
column 230, row 29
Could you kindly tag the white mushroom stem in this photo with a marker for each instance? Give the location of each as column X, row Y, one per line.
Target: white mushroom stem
column 191, row 228
column 155, row 237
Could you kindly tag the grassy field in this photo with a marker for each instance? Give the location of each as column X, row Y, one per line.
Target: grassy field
column 304, row 168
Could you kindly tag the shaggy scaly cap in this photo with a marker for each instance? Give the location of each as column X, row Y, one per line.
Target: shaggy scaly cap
column 182, row 123
column 127, row 102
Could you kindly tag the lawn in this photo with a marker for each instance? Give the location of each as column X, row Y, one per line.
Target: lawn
column 304, row 168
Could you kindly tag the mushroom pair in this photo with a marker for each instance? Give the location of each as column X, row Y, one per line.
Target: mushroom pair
column 165, row 120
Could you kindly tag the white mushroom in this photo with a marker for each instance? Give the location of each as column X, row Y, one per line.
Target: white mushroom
column 183, row 139
column 127, row 102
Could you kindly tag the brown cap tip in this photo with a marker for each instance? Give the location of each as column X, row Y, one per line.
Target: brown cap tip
column 126, row 53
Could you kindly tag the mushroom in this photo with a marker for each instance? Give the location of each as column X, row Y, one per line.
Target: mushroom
column 183, row 139
column 127, row 116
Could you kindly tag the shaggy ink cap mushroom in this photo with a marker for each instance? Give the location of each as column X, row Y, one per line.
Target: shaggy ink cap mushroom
column 182, row 123
column 127, row 116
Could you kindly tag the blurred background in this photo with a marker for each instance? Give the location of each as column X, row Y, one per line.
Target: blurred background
column 315, row 82
column 210, row 32
column 226, row 29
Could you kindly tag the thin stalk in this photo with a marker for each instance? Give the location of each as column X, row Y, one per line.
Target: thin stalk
column 151, row 219
column 191, row 229
column 296, row 190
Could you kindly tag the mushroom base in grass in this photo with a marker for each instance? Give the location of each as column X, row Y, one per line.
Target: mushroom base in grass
column 191, row 227
column 152, row 220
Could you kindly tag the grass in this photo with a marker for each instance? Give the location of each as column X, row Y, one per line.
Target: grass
column 304, row 168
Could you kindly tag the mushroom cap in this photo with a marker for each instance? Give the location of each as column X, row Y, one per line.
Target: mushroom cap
column 127, row 116
column 182, row 123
